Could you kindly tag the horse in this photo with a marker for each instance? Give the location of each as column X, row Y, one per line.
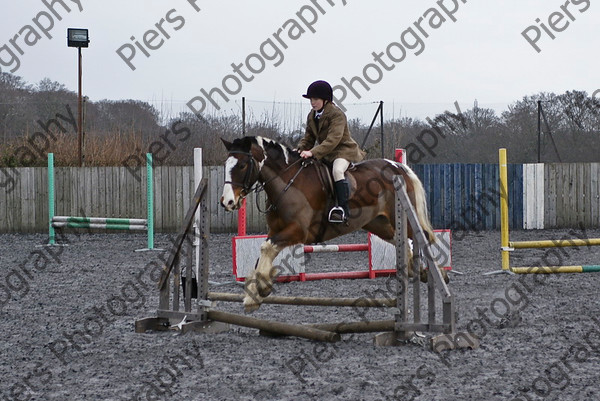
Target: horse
column 298, row 201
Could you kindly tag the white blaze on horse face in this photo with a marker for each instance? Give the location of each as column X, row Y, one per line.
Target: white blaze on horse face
column 228, row 197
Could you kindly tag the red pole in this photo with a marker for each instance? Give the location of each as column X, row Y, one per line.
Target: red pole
column 242, row 219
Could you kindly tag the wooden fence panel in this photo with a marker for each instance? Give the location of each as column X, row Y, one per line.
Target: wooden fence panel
column 41, row 196
column 169, row 202
column 550, row 195
column 462, row 196
column 466, row 196
column 583, row 188
column 594, row 195
column 490, row 194
column 13, row 212
column 187, row 175
column 94, row 201
column 113, row 197
column 515, row 176
column 586, row 185
column 27, row 201
column 5, row 192
column 456, row 195
column 447, row 183
column 572, row 195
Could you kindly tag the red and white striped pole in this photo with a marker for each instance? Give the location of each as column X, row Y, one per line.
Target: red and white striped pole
column 242, row 219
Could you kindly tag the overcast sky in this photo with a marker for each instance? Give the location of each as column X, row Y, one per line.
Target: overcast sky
column 424, row 60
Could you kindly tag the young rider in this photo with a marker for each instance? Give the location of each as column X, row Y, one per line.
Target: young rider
column 328, row 137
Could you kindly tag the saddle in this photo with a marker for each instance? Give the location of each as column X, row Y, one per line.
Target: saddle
column 325, row 172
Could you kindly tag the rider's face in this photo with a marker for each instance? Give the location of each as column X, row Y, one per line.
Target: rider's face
column 316, row 104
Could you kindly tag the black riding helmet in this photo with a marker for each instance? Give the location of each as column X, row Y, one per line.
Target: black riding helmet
column 319, row 90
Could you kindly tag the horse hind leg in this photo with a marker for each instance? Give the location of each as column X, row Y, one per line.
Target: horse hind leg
column 260, row 282
column 382, row 227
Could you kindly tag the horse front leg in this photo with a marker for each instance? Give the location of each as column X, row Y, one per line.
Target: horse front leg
column 260, row 282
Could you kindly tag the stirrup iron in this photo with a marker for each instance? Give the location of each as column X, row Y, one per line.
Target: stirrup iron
column 334, row 217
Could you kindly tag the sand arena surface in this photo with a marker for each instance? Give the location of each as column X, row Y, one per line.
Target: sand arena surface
column 67, row 330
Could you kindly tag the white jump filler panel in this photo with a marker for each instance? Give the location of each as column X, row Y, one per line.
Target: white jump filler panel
column 246, row 251
column 292, row 266
column 382, row 254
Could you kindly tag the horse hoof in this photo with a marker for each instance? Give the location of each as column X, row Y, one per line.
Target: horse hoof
column 251, row 308
column 250, row 305
column 264, row 291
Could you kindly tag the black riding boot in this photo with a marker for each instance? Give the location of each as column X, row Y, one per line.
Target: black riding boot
column 340, row 213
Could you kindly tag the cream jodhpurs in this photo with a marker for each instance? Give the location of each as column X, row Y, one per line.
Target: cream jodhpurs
column 339, row 168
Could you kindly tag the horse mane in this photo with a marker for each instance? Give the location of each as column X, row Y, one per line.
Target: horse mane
column 267, row 144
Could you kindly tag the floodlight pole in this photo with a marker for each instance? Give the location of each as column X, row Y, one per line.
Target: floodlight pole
column 79, row 112
column 78, row 37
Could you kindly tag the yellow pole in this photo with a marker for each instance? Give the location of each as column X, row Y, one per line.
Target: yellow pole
column 554, row 243
column 548, row 269
column 504, row 210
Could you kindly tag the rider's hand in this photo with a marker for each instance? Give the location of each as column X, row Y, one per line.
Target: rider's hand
column 306, row 154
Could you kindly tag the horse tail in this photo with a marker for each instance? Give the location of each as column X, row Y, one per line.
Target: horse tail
column 420, row 204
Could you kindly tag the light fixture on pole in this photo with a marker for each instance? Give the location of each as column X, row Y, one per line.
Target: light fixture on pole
column 78, row 37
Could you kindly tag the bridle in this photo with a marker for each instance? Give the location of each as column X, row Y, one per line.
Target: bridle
column 258, row 187
column 247, row 188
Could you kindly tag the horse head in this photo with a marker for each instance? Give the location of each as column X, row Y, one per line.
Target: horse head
column 244, row 166
column 242, row 170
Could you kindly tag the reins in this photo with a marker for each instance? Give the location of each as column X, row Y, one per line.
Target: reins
column 261, row 187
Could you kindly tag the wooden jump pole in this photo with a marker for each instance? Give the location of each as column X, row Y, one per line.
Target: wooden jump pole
column 366, row 326
column 270, row 326
column 309, row 301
